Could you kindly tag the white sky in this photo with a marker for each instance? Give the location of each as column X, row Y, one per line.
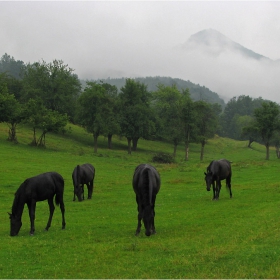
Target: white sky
column 137, row 38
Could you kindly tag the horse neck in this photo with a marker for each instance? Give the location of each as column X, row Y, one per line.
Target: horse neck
column 19, row 201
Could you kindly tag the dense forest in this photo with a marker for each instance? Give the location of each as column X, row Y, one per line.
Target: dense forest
column 46, row 96
column 197, row 92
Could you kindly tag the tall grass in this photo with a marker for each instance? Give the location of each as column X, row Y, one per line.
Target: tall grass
column 196, row 237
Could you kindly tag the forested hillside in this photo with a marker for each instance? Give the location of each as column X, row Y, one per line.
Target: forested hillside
column 197, row 92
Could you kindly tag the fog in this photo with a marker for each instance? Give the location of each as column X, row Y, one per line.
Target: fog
column 137, row 39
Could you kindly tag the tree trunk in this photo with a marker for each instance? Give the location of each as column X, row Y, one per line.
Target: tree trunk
column 34, row 141
column 95, row 136
column 202, row 149
column 134, row 143
column 175, row 149
column 187, row 143
column 267, row 150
column 12, row 133
column 277, row 152
column 110, row 141
column 251, row 140
column 129, row 145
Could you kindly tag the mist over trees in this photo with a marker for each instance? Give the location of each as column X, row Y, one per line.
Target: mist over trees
column 46, row 96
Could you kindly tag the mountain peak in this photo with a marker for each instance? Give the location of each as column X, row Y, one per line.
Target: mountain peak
column 214, row 43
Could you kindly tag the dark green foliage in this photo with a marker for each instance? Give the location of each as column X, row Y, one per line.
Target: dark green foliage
column 197, row 92
column 13, row 68
column 162, row 157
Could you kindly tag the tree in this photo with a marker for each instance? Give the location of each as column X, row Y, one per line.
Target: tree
column 54, row 84
column 12, row 67
column 206, row 123
column 135, row 110
column 168, row 109
column 10, row 109
column 266, row 123
column 94, row 112
column 188, row 116
column 112, row 112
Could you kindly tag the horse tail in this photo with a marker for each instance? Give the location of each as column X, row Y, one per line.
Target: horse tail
column 150, row 177
column 59, row 186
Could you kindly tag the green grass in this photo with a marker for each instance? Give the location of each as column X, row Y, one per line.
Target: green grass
column 196, row 237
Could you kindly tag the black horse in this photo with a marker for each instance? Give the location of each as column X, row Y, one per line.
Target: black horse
column 217, row 171
column 41, row 187
column 83, row 174
column 146, row 184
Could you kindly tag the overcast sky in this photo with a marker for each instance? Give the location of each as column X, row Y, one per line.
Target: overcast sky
column 99, row 39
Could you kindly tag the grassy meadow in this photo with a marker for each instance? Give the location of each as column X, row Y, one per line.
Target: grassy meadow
column 196, row 237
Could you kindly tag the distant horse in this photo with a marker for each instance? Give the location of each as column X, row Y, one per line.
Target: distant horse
column 146, row 184
column 41, row 187
column 83, row 174
column 217, row 171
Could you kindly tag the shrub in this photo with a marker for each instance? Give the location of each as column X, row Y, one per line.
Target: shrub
column 163, row 158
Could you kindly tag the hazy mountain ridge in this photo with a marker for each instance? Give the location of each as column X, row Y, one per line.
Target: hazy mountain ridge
column 197, row 92
column 213, row 42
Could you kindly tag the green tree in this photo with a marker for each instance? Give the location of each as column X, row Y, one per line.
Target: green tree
column 54, row 84
column 135, row 112
column 168, row 109
column 112, row 112
column 94, row 111
column 188, row 116
column 266, row 123
column 206, row 123
column 12, row 67
column 10, row 109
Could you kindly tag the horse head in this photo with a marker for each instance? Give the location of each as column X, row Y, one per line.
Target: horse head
column 15, row 224
column 79, row 192
column 208, row 180
column 148, row 219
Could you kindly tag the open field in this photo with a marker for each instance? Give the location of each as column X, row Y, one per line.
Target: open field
column 196, row 237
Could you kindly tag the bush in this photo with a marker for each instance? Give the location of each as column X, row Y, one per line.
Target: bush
column 163, row 158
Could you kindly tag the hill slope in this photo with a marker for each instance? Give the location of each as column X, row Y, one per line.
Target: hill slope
column 197, row 92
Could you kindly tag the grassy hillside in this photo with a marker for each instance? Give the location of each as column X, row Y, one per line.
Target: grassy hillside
column 196, row 237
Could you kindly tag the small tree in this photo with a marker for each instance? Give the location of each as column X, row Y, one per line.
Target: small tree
column 135, row 112
column 266, row 123
column 168, row 109
column 206, row 123
column 10, row 109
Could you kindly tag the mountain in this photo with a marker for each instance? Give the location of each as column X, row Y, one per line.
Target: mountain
column 197, row 92
column 215, row 43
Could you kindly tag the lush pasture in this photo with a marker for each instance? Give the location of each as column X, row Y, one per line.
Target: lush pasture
column 196, row 237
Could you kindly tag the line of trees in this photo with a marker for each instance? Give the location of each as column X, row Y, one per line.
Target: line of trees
column 48, row 95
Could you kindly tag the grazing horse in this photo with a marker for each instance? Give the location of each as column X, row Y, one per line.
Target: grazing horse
column 146, row 184
column 41, row 187
column 217, row 171
column 83, row 174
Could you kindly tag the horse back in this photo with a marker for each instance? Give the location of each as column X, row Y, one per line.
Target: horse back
column 222, row 168
column 43, row 186
column 146, row 181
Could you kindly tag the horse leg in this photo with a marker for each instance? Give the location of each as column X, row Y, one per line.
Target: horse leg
column 51, row 206
column 153, row 229
column 74, row 198
column 218, row 188
column 90, row 189
column 214, row 191
column 62, row 209
column 31, row 208
column 229, row 187
column 83, row 192
column 139, row 208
